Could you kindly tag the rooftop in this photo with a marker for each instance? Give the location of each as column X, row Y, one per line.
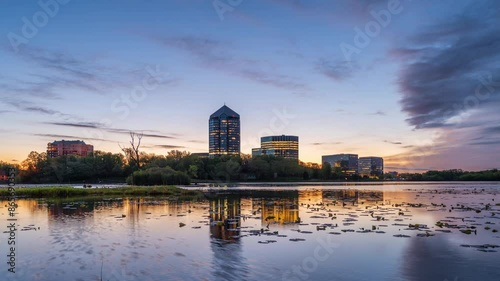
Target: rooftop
column 69, row 142
column 225, row 111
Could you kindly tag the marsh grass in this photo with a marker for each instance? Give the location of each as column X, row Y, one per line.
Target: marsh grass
column 65, row 192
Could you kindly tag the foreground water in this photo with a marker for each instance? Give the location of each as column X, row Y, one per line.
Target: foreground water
column 382, row 232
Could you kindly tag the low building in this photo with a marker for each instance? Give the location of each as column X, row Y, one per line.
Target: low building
column 282, row 146
column 348, row 163
column 371, row 166
column 69, row 147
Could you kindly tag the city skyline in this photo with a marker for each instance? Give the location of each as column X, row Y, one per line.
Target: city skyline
column 414, row 82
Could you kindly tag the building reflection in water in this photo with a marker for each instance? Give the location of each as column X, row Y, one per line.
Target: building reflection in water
column 280, row 210
column 354, row 197
column 225, row 218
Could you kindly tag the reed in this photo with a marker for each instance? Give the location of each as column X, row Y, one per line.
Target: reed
column 64, row 192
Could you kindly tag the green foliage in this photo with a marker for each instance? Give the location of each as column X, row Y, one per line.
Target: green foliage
column 454, row 175
column 65, row 192
column 38, row 168
column 326, row 171
column 158, row 176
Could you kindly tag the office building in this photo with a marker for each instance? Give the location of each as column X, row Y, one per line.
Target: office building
column 371, row 166
column 348, row 163
column 224, row 133
column 71, row 147
column 283, row 146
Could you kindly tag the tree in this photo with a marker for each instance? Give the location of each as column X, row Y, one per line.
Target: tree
column 326, row 171
column 132, row 153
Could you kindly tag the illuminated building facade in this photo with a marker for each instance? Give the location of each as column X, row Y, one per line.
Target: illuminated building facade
column 347, row 162
column 284, row 146
column 65, row 147
column 224, row 133
column 371, row 166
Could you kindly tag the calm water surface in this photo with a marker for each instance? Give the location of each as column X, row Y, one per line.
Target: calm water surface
column 361, row 232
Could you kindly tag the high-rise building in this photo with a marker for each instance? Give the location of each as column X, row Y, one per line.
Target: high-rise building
column 224, row 132
column 71, row 147
column 347, row 162
column 371, row 166
column 284, row 146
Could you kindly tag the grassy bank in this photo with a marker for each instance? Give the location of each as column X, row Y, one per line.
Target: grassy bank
column 63, row 192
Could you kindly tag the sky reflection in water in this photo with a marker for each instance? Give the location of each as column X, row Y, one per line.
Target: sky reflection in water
column 247, row 236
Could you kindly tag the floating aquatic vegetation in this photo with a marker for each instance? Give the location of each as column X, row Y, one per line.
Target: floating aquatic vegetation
column 402, row 236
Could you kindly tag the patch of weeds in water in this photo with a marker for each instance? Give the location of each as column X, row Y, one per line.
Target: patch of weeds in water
column 65, row 192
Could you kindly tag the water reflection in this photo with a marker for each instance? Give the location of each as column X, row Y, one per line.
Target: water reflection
column 225, row 218
column 249, row 235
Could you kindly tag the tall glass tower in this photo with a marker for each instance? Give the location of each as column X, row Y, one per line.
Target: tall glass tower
column 224, row 132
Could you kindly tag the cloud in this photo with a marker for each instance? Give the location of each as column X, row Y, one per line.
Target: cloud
column 56, row 136
column 215, row 55
column 52, row 73
column 197, row 141
column 78, row 125
column 27, row 106
column 491, row 130
column 336, row 70
column 405, row 169
column 164, row 146
column 100, row 126
column 379, row 112
column 486, row 142
column 325, row 143
column 447, row 63
column 393, row 142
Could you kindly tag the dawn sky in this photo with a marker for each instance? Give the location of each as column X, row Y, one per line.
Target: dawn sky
column 414, row 81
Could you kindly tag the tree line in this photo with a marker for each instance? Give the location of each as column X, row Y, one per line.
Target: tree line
column 453, row 175
column 181, row 167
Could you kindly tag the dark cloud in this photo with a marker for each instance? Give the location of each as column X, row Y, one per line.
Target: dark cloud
column 78, row 125
column 27, row 106
column 448, row 62
column 393, row 142
column 56, row 136
column 103, row 127
column 215, row 55
column 486, row 142
column 125, row 131
column 491, row 130
column 164, row 146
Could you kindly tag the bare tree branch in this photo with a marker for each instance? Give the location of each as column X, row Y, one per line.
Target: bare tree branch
column 133, row 153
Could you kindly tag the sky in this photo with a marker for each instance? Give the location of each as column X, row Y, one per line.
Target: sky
column 414, row 81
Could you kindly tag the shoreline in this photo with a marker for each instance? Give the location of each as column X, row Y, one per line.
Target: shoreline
column 69, row 191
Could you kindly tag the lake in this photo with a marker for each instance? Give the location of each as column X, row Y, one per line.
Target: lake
column 389, row 231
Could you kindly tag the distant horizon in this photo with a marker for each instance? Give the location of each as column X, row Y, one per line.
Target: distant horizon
column 387, row 169
column 413, row 82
